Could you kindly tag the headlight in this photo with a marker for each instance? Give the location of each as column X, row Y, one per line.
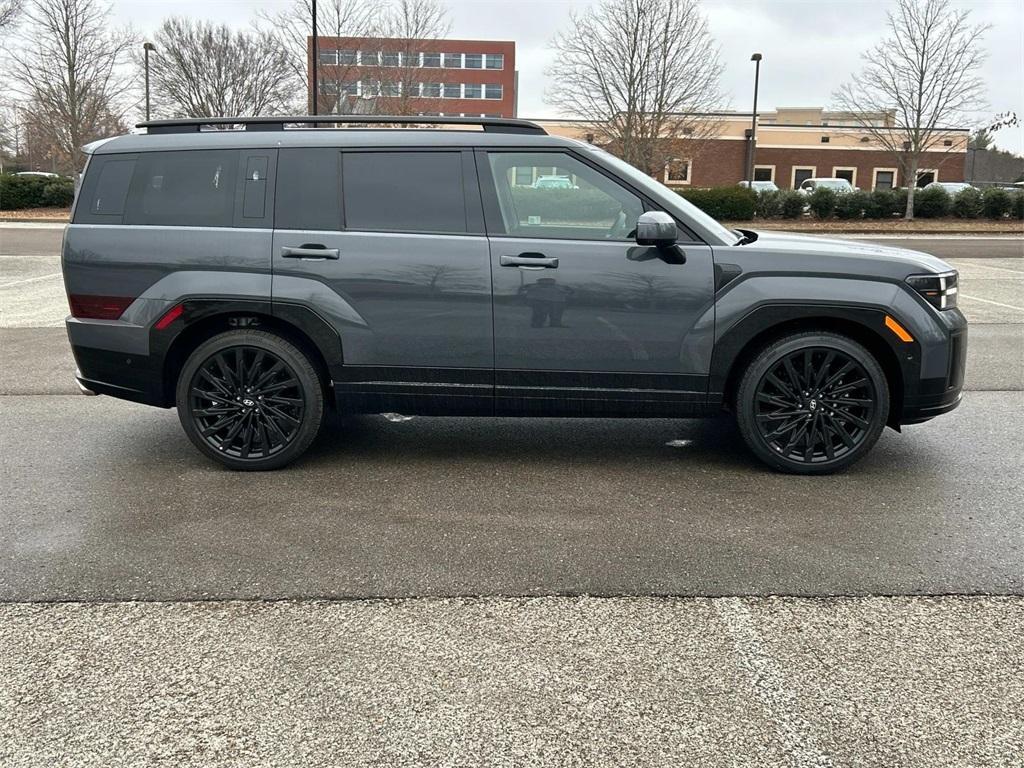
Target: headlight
column 938, row 290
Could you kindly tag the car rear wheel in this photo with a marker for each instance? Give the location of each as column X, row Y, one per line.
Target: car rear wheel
column 250, row 399
column 812, row 403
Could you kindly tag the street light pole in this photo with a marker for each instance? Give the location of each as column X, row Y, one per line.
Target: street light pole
column 146, row 48
column 316, row 62
column 756, row 58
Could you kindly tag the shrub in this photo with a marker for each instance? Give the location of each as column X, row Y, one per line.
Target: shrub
column 58, row 194
column 767, row 204
column 791, row 204
column 852, row 205
column 995, row 202
column 932, row 203
column 724, row 203
column 967, row 204
column 881, row 204
column 822, row 202
column 17, row 192
column 1018, row 204
column 570, row 205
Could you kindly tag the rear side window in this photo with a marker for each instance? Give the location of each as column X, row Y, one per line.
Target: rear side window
column 104, row 189
column 308, row 189
column 194, row 188
column 404, row 192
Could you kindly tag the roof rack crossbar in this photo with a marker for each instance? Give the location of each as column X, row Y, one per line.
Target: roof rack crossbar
column 195, row 124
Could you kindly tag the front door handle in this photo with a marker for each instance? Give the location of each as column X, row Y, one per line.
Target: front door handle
column 310, row 251
column 530, row 261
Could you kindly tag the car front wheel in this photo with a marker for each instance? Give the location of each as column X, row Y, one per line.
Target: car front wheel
column 812, row 403
column 250, row 399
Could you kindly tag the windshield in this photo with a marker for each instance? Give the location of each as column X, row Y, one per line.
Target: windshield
column 643, row 181
column 834, row 183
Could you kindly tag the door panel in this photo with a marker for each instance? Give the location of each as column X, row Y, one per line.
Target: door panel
column 592, row 324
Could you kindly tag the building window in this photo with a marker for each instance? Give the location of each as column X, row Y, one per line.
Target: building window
column 328, row 56
column 947, row 143
column 432, row 60
column 824, row 139
column 850, row 174
column 926, row 176
column 473, row 91
column 369, row 58
column 347, row 58
column 492, row 91
column 391, row 59
column 523, row 176
column 677, row 172
column 494, row 61
column 390, row 89
column 474, row 61
column 885, row 178
column 764, row 173
column 453, row 61
column 350, row 89
column 802, row 173
column 430, row 90
column 329, row 86
column 864, row 139
column 451, row 90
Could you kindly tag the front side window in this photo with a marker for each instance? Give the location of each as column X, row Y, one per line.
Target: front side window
column 404, row 192
column 194, row 188
column 566, row 198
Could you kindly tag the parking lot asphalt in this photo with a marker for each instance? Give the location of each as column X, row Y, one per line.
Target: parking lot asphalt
column 107, row 500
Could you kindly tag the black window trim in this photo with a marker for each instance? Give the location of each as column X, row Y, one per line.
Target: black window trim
column 492, row 211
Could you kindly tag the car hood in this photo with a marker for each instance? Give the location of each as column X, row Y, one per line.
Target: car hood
column 834, row 249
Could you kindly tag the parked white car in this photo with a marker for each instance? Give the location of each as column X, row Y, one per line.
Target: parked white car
column 760, row 186
column 839, row 186
column 951, row 187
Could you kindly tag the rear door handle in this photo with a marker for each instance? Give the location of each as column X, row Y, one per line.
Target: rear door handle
column 530, row 261
column 310, row 251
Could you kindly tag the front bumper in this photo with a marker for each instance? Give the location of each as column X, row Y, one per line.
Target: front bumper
column 937, row 395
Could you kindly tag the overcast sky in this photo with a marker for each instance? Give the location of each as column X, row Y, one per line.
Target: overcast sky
column 809, row 46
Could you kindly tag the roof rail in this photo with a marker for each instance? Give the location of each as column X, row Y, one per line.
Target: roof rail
column 195, row 124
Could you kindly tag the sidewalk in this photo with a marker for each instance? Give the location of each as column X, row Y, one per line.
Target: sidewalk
column 872, row 682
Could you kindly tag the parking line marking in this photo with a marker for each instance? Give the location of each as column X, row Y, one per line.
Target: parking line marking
column 769, row 683
column 997, row 269
column 989, row 301
column 31, row 280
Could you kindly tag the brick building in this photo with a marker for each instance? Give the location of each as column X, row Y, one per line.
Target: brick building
column 792, row 145
column 358, row 75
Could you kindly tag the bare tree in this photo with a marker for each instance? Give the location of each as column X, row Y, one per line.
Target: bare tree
column 203, row 70
column 409, row 23
column 924, row 77
column 68, row 75
column 335, row 18
column 10, row 10
column 643, row 71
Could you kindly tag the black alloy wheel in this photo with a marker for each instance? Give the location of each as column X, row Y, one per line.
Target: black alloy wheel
column 250, row 399
column 813, row 403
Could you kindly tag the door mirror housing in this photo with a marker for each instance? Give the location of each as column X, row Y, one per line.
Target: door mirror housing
column 656, row 228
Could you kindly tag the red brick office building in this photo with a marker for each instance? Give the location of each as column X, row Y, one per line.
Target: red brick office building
column 792, row 145
column 360, row 75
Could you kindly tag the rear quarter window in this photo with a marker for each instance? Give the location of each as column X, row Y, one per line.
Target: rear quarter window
column 104, row 191
column 191, row 188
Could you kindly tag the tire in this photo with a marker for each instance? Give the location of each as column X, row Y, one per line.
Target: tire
column 826, row 423
column 250, row 400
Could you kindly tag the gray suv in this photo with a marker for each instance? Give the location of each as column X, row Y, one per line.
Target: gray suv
column 258, row 277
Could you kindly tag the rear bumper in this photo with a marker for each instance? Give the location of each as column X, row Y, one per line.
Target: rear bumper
column 119, row 372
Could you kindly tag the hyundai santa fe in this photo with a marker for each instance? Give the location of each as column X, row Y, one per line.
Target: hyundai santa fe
column 257, row 277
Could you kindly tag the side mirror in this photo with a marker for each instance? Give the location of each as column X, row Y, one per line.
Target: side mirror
column 656, row 228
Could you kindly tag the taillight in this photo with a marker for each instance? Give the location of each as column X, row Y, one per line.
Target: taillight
column 98, row 307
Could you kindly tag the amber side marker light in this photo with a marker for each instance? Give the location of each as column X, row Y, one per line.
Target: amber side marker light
column 899, row 330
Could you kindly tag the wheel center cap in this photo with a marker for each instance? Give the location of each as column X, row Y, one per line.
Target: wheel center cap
column 813, row 405
column 248, row 403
